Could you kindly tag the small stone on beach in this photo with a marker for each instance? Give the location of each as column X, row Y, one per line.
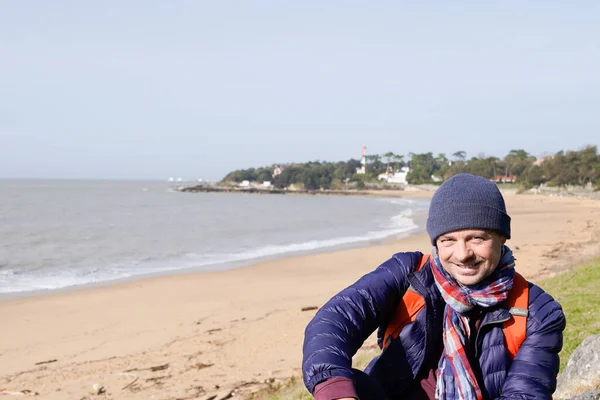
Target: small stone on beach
column 98, row 388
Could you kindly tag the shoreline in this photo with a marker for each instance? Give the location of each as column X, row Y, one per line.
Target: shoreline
column 234, row 328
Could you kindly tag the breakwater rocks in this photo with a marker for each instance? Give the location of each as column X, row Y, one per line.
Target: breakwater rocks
column 259, row 190
column 226, row 189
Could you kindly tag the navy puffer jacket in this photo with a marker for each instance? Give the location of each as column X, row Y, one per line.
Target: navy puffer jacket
column 341, row 326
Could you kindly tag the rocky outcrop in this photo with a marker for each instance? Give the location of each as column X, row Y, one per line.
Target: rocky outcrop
column 593, row 395
column 581, row 377
column 267, row 190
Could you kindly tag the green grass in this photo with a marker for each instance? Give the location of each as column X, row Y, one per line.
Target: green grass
column 577, row 290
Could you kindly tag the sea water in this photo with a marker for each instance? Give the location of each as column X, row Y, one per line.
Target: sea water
column 60, row 234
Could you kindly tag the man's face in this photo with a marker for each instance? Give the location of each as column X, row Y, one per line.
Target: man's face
column 470, row 255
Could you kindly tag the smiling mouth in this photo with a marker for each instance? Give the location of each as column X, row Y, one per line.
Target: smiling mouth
column 471, row 267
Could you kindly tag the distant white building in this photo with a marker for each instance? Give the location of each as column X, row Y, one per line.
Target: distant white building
column 266, row 184
column 385, row 175
column 395, row 177
column 244, row 184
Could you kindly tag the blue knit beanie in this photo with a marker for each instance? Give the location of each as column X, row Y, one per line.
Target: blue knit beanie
column 467, row 202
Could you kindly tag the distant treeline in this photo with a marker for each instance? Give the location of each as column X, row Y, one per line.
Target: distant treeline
column 563, row 168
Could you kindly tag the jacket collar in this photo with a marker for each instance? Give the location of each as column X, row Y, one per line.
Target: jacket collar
column 426, row 283
column 496, row 315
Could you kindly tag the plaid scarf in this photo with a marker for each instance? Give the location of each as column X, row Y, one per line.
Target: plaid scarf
column 459, row 300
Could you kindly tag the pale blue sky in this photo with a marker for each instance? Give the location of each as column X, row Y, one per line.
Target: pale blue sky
column 152, row 89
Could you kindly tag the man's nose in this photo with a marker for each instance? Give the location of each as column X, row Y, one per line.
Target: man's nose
column 463, row 251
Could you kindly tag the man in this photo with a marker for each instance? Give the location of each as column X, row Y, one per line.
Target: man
column 455, row 347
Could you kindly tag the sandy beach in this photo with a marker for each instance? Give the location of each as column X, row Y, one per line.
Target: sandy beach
column 199, row 336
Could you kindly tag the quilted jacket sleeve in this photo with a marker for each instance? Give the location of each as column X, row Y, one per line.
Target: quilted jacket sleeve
column 341, row 326
column 532, row 374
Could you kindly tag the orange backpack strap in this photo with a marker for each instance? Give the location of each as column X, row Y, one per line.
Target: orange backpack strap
column 407, row 310
column 515, row 329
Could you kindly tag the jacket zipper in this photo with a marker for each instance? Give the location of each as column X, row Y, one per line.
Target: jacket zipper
column 500, row 321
